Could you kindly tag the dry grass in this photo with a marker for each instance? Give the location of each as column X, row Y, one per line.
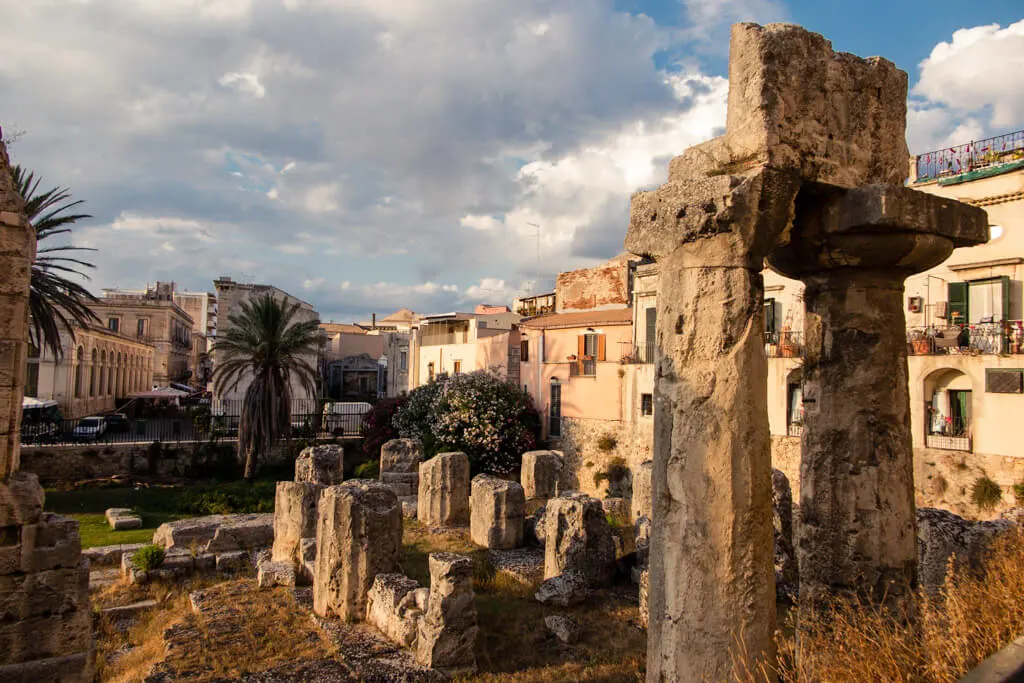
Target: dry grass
column 974, row 615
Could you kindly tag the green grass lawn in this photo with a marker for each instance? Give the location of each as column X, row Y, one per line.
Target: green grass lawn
column 156, row 504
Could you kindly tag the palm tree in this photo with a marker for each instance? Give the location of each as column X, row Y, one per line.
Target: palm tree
column 264, row 346
column 54, row 301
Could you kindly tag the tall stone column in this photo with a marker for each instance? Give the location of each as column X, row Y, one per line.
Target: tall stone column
column 853, row 249
column 712, row 595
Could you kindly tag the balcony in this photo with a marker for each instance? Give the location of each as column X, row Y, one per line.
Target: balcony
column 998, row 338
column 587, row 367
column 640, row 355
column 949, row 434
column 785, row 344
column 973, row 156
column 795, row 429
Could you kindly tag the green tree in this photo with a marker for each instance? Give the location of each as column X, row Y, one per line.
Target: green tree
column 54, row 300
column 267, row 347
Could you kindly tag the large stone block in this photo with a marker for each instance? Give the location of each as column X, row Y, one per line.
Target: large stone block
column 255, row 531
column 322, row 464
column 497, row 510
column 942, row 535
column 21, row 500
column 120, row 519
column 391, row 607
column 52, row 543
column 358, row 535
column 540, row 474
column 641, row 502
column 401, row 456
column 44, row 636
column 782, row 518
column 447, row 631
column 54, row 591
column 577, row 538
column 295, row 516
column 443, row 498
column 404, row 484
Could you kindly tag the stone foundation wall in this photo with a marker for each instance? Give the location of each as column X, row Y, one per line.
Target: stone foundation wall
column 942, row 479
column 584, row 458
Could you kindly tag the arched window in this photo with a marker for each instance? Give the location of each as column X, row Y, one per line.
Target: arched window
column 948, row 410
column 79, row 359
column 92, row 374
column 103, row 363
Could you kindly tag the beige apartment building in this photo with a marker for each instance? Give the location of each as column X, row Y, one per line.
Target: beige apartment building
column 98, row 368
column 202, row 308
column 454, row 343
column 152, row 316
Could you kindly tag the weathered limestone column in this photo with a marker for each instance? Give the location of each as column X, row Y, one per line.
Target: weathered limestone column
column 577, row 538
column 399, row 465
column 323, row 464
column 497, row 509
column 358, row 535
column 539, row 474
column 447, row 630
column 45, row 616
column 295, row 518
column 853, row 249
column 443, row 498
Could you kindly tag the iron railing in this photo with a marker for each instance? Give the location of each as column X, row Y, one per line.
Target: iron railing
column 583, row 368
column 642, row 354
column 786, row 344
column 999, row 338
column 949, row 433
column 971, row 156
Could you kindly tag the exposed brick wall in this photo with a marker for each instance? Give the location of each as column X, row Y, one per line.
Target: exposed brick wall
column 603, row 286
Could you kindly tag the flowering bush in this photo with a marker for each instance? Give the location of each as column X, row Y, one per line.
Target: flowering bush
column 487, row 418
column 377, row 427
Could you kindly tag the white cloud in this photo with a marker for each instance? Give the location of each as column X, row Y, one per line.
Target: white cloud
column 294, row 249
column 321, row 199
column 246, row 83
column 480, row 222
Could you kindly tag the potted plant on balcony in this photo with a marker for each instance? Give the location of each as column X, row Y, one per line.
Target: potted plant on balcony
column 787, row 347
column 920, row 345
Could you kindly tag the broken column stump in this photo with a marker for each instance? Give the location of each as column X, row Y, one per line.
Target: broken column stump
column 399, row 465
column 443, row 498
column 577, row 538
column 497, row 510
column 295, row 518
column 447, row 631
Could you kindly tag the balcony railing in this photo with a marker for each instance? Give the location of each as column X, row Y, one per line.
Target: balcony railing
column 971, row 156
column 641, row 354
column 999, row 338
column 583, row 368
column 784, row 344
column 949, row 433
column 795, row 429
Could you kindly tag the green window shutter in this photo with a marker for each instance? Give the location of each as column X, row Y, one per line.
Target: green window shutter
column 957, row 297
column 1005, row 280
column 769, row 316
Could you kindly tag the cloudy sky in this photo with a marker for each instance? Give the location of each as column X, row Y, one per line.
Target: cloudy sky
column 371, row 154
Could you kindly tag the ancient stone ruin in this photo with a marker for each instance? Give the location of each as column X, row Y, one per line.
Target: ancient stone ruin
column 577, row 539
column 295, row 518
column 358, row 535
column 808, row 176
column 540, row 473
column 447, row 631
column 400, row 465
column 45, row 616
column 323, row 464
column 497, row 510
column 443, row 498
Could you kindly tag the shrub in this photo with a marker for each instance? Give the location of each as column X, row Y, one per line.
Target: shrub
column 148, row 557
column 985, row 493
column 378, row 425
column 1018, row 492
column 607, row 442
column 617, row 469
column 478, row 413
column 368, row 470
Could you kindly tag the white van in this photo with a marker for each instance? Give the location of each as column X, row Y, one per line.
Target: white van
column 344, row 418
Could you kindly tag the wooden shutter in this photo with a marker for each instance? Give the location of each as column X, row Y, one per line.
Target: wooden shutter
column 601, row 346
column 769, row 316
column 581, row 347
column 1005, row 280
column 957, row 294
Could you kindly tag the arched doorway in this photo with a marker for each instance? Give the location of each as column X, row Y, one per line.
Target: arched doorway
column 948, row 410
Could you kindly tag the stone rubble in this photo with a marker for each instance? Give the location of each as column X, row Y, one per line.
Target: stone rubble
column 942, row 535
column 497, row 509
column 122, row 518
column 271, row 574
column 563, row 590
column 322, row 464
column 564, row 627
column 392, row 607
column 443, row 498
column 577, row 538
column 615, row 507
column 295, row 517
column 540, row 474
column 358, row 535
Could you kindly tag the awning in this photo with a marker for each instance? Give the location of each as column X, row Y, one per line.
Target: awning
column 29, row 402
column 161, row 392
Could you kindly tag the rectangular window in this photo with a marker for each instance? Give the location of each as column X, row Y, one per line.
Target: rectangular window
column 647, row 404
column 524, row 351
column 985, row 301
column 1000, row 381
column 590, row 345
column 142, row 327
column 769, row 317
column 458, row 367
column 403, row 362
column 114, row 324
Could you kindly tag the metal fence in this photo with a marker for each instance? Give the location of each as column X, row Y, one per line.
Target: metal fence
column 971, row 156
column 642, row 354
column 786, row 344
column 1000, row 338
column 197, row 422
column 949, row 433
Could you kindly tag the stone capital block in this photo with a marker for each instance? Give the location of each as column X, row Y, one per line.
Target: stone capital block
column 497, row 509
column 392, row 608
column 443, row 498
column 401, row 456
column 322, row 464
column 295, row 518
column 540, row 473
column 447, row 631
column 577, row 538
column 358, row 535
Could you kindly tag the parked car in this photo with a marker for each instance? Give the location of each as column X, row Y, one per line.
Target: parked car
column 90, row 428
column 344, row 418
column 117, row 423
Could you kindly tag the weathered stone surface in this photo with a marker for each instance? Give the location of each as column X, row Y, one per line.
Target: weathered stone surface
column 540, row 473
column 233, row 561
column 307, row 559
column 123, row 518
column 198, row 531
column 295, row 515
column 942, row 534
column 109, row 555
column 782, row 521
column 642, row 535
column 497, row 509
column 615, row 507
column 402, row 483
column 272, row 574
column 535, row 526
column 21, row 500
column 51, row 543
column 447, row 631
column 640, row 503
column 410, row 506
column 578, row 538
column 563, row 590
column 72, row 668
column 255, row 531
column 525, row 565
column 391, row 607
column 401, row 456
column 645, row 604
column 564, row 627
column 321, row 464
column 358, row 535
column 443, row 498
